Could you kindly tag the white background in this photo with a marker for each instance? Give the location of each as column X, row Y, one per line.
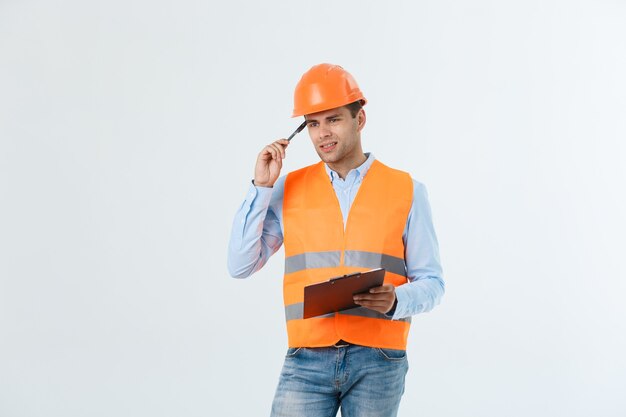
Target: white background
column 129, row 131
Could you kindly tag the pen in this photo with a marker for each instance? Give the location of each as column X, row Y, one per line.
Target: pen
column 298, row 130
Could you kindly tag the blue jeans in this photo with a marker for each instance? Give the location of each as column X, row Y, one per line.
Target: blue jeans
column 363, row 381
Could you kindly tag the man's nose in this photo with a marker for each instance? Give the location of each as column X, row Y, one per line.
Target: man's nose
column 324, row 132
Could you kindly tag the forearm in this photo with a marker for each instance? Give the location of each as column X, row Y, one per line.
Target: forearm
column 419, row 296
column 426, row 286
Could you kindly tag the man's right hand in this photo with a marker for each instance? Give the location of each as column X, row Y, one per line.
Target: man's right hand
column 269, row 163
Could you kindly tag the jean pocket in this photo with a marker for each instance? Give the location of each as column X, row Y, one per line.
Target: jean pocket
column 394, row 355
column 292, row 352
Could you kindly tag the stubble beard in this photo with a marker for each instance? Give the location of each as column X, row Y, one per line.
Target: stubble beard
column 334, row 157
column 343, row 150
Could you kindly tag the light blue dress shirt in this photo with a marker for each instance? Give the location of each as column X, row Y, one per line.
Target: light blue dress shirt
column 257, row 233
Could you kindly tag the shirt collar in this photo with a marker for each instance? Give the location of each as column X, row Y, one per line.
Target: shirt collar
column 361, row 170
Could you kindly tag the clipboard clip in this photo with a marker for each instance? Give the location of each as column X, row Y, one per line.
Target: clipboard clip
column 333, row 280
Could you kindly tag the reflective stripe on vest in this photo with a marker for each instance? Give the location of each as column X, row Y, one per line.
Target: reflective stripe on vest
column 368, row 260
column 296, row 312
column 317, row 247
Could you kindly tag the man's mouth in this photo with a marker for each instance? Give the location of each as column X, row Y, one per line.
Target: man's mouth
column 327, row 147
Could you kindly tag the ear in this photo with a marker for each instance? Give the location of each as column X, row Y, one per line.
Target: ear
column 361, row 119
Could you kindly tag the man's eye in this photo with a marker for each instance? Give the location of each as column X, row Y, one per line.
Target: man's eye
column 312, row 124
column 333, row 120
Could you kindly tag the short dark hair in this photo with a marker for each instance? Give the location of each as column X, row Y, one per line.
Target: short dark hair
column 354, row 108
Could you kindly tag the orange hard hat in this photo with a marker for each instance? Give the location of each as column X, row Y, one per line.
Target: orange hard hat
column 324, row 87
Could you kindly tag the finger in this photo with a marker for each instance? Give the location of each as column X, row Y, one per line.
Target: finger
column 271, row 151
column 374, row 303
column 368, row 303
column 266, row 150
column 281, row 148
column 379, row 296
column 381, row 309
column 278, row 149
column 382, row 289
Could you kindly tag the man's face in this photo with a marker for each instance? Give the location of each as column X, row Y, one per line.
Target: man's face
column 336, row 135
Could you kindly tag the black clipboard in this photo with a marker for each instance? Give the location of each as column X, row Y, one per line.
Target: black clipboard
column 336, row 293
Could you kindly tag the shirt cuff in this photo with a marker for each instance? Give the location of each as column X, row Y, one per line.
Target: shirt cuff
column 259, row 196
column 402, row 305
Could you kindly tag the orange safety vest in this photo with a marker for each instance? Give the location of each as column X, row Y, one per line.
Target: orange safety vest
column 317, row 248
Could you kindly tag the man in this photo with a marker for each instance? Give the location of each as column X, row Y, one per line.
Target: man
column 347, row 213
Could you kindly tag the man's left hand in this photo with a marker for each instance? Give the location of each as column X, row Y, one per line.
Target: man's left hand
column 380, row 299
